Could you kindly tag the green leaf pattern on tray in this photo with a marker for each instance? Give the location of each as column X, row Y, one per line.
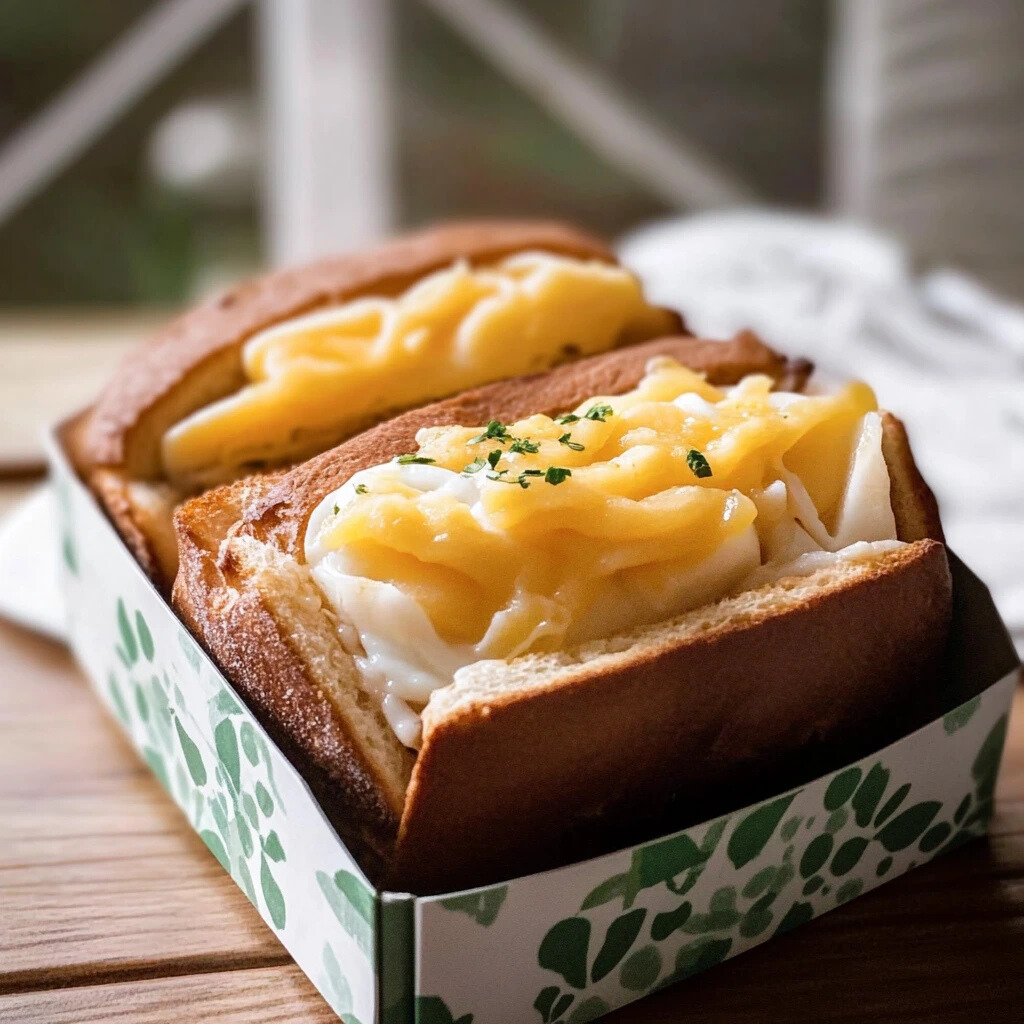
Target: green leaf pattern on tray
column 227, row 787
column 862, row 817
column 482, row 905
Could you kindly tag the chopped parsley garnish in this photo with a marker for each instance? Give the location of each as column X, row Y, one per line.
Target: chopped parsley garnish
column 336, row 510
column 552, row 475
column 698, row 464
column 361, row 488
column 569, row 417
column 524, row 446
column 493, row 458
column 599, row 412
column 567, row 440
column 417, row 460
column 475, row 466
column 495, row 429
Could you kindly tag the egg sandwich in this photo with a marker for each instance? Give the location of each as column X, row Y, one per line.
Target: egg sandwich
column 556, row 603
column 285, row 366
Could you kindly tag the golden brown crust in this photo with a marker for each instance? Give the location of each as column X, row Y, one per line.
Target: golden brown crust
column 282, row 515
column 197, row 358
column 231, row 620
column 913, row 504
column 696, row 716
column 142, row 513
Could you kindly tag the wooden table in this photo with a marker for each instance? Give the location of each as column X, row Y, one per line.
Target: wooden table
column 111, row 909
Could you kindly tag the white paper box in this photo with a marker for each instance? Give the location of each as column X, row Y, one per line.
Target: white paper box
column 564, row 945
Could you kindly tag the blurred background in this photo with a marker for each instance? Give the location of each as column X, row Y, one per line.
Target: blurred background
column 845, row 176
column 204, row 138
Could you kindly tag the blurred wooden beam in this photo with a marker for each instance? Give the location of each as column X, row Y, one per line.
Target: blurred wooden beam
column 327, row 87
column 72, row 121
column 613, row 124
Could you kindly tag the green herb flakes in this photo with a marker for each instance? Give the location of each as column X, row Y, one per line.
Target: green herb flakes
column 495, row 430
column 524, row 446
column 698, row 464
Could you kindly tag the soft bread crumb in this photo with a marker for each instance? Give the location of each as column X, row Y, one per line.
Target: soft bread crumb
column 310, row 625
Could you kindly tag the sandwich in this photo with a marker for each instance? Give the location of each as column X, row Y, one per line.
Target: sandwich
column 555, row 605
column 290, row 364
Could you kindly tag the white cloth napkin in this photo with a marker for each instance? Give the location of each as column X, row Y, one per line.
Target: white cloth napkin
column 29, row 591
column 941, row 351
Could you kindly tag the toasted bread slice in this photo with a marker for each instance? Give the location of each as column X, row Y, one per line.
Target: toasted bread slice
column 245, row 591
column 197, row 360
column 679, row 711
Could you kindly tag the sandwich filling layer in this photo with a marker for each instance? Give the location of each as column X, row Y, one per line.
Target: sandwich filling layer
column 541, row 535
column 319, row 377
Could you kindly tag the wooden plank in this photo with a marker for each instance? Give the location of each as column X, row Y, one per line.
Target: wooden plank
column 272, row 995
column 101, row 876
column 53, row 364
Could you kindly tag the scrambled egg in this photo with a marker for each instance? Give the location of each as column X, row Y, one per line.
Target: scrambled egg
column 317, row 378
column 502, row 539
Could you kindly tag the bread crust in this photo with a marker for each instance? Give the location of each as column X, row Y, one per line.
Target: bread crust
column 913, row 504
column 644, row 730
column 197, row 358
column 229, row 615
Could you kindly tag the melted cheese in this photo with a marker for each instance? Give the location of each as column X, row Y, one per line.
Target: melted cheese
column 317, row 378
column 443, row 562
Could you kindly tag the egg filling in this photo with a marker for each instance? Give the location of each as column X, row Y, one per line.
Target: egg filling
column 317, row 378
column 498, row 540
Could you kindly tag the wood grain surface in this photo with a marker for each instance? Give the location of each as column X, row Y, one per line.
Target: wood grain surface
column 112, row 910
column 269, row 995
column 52, row 364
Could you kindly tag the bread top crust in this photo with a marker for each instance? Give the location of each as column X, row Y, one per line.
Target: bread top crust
column 282, row 514
column 197, row 358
